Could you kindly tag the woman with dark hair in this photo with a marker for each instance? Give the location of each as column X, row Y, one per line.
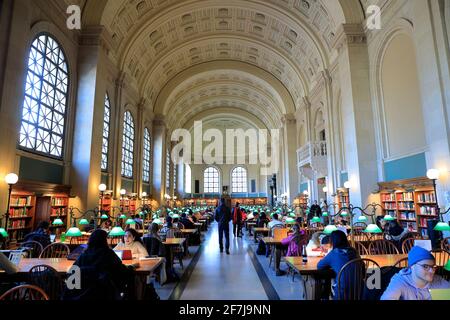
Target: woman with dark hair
column 394, row 232
column 168, row 230
column 132, row 241
column 103, row 276
column 340, row 254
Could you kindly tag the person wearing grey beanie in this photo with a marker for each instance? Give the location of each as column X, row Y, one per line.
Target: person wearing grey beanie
column 415, row 281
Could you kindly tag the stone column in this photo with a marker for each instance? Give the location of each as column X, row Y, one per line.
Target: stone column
column 159, row 152
column 290, row 156
column 87, row 142
column 139, row 140
column 357, row 114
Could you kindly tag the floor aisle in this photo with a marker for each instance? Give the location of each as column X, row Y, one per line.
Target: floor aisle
column 221, row 277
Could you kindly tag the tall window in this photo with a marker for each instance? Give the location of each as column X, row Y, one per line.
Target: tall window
column 45, row 102
column 175, row 177
column 211, row 180
column 146, row 160
column 127, row 145
column 239, row 180
column 188, row 179
column 167, row 171
column 105, row 142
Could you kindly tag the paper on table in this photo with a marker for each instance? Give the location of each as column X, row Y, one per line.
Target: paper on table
column 426, row 244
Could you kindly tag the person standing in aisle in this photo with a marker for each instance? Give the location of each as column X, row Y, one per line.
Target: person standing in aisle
column 237, row 221
column 223, row 217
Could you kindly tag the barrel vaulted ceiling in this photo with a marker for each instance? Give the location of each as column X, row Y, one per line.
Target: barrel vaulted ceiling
column 156, row 41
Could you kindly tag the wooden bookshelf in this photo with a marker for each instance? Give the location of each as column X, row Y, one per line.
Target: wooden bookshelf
column 301, row 201
column 21, row 215
column 412, row 202
column 59, row 208
column 128, row 204
column 105, row 205
column 342, row 198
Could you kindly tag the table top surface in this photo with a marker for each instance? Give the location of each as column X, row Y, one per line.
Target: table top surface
column 261, row 229
column 174, row 241
column 62, row 265
column 189, row 231
column 311, row 266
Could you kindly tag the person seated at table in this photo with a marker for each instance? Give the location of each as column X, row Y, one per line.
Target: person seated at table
column 154, row 247
column 395, row 233
column 103, row 276
column 415, row 281
column 6, row 265
column 340, row 254
column 41, row 234
column 192, row 216
column 274, row 221
column 138, row 220
column 168, row 230
column 106, row 225
column 325, row 244
column 186, row 222
column 250, row 216
column 293, row 243
column 132, row 241
column 314, row 249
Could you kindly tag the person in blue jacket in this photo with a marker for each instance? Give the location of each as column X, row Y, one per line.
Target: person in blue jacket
column 340, row 254
column 223, row 217
column 415, row 281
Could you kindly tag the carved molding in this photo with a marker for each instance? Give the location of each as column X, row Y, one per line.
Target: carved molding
column 349, row 35
column 96, row 36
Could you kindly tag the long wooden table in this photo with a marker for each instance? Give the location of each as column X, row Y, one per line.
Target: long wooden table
column 312, row 277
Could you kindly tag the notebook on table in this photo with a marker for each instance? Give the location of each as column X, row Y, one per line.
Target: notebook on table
column 440, row 294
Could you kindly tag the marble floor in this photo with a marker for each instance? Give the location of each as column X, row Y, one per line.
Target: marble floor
column 242, row 275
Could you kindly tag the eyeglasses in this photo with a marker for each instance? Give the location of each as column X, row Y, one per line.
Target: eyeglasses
column 427, row 267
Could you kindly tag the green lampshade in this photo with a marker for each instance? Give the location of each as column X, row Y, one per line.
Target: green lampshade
column 325, row 214
column 344, row 213
column 388, row 217
column 157, row 221
column 373, row 228
column 315, row 220
column 130, row 221
column 83, row 222
column 307, row 211
column 362, row 218
column 104, row 216
column 122, row 216
column 447, row 266
column 58, row 222
column 290, row 220
column 175, row 216
column 292, row 215
column 3, row 233
column 73, row 232
column 141, row 214
column 330, row 229
column 117, row 232
column 442, row 226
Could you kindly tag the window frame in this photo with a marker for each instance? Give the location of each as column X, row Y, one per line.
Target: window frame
column 107, row 104
column 123, row 173
column 145, row 141
column 213, row 182
column 245, row 183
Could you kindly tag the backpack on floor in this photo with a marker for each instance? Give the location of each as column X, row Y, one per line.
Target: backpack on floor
column 261, row 248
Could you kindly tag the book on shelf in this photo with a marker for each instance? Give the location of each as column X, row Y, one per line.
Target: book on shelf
column 390, row 206
column 428, row 197
column 405, row 196
column 388, row 197
column 20, row 201
column 410, row 226
column 428, row 210
column 59, row 201
column 18, row 212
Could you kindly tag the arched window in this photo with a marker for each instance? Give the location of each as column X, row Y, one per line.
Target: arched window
column 146, row 160
column 45, row 102
column 105, row 142
column 175, row 176
column 167, row 171
column 188, row 179
column 211, row 180
column 239, row 180
column 127, row 145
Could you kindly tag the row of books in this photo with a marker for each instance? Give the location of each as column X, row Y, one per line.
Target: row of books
column 427, row 210
column 406, row 206
column 424, row 233
column 406, row 196
column 388, row 197
column 410, row 226
column 427, row 197
column 20, row 201
column 17, row 224
column 60, row 201
column 18, row 212
column 390, row 206
column 408, row 215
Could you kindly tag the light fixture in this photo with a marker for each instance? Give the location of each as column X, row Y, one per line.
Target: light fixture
column 117, row 232
column 347, row 185
column 325, row 189
column 290, row 220
column 102, row 187
column 433, row 174
column 130, row 222
column 315, row 220
column 122, row 216
column 442, row 226
column 344, row 213
column 144, row 194
column 73, row 232
column 3, row 233
column 330, row 229
column 362, row 218
column 104, row 216
column 447, row 266
column 306, row 193
column 388, row 217
column 58, row 222
column 83, row 222
column 11, row 179
column 325, row 214
column 123, row 192
column 373, row 228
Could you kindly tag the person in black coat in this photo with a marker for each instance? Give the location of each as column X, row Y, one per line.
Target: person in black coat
column 41, row 234
column 103, row 276
column 186, row 222
column 223, row 217
column 315, row 211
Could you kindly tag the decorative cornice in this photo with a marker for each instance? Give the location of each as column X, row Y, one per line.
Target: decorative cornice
column 288, row 119
column 96, row 36
column 350, row 35
column 159, row 121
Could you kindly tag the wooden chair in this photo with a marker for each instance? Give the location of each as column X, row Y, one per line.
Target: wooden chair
column 352, row 279
column 24, row 293
column 445, row 245
column 442, row 257
column 79, row 240
column 362, row 250
column 114, row 241
column 48, row 279
column 407, row 245
column 358, row 235
column 379, row 247
column 55, row 250
column 402, row 263
column 33, row 248
column 178, row 251
column 360, row 226
column 317, row 226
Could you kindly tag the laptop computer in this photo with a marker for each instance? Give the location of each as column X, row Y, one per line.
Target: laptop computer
column 440, row 294
column 15, row 256
column 52, row 238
